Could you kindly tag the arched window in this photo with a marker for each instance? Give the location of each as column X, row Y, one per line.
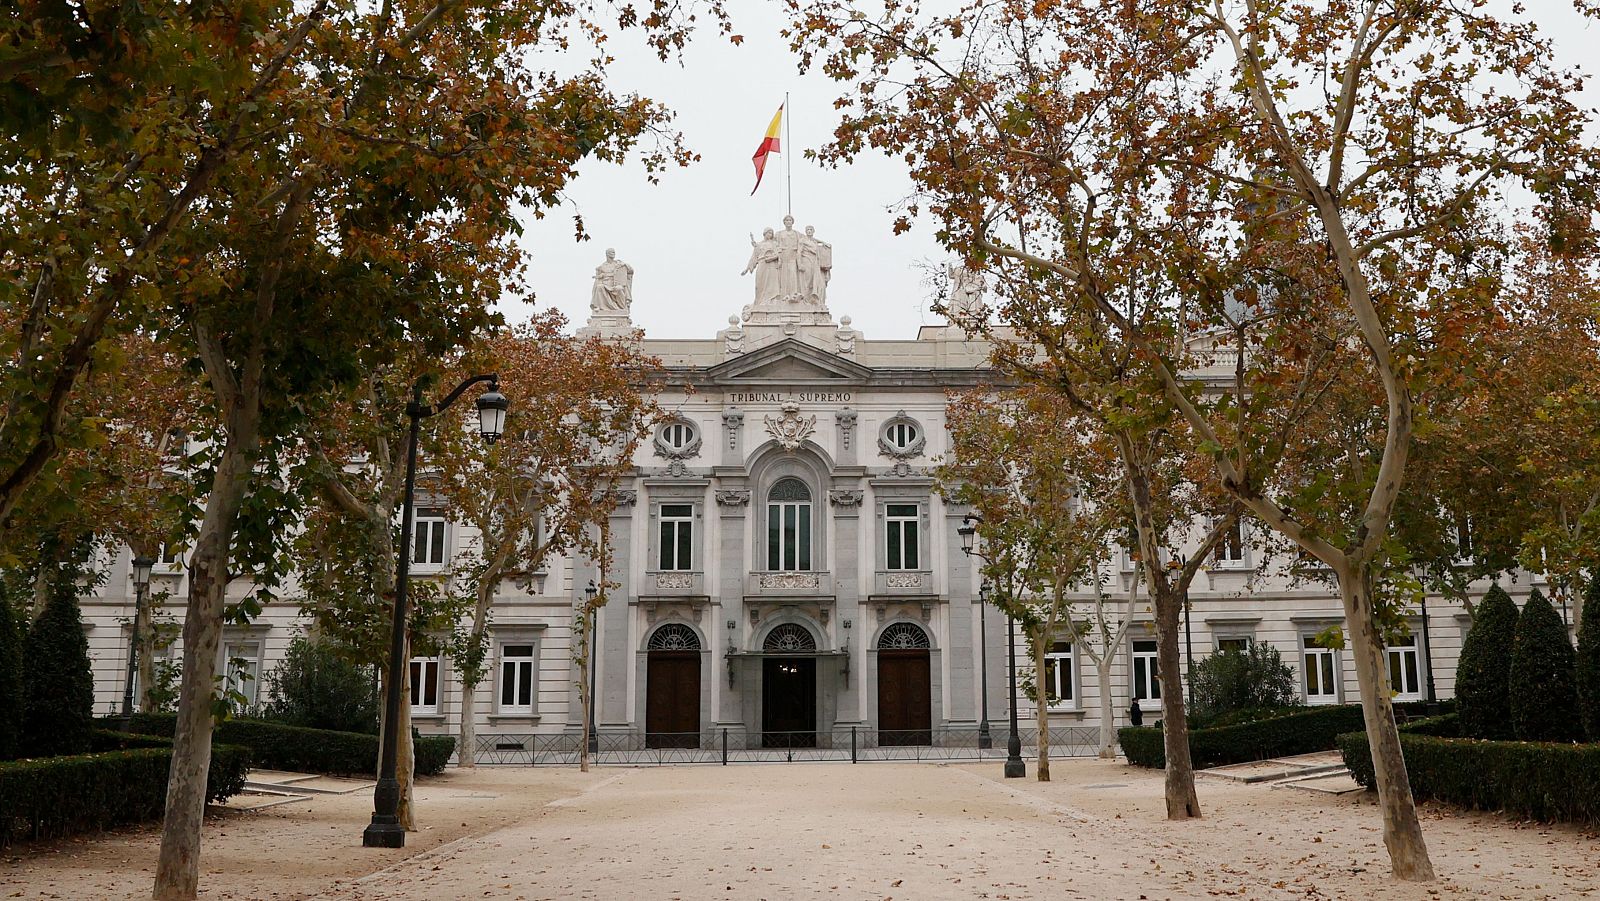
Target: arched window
column 789, row 637
column 789, row 526
column 674, row 637
column 903, row 637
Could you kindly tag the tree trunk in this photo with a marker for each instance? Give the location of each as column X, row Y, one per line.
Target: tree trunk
column 1042, row 703
column 1402, row 833
column 1108, row 721
column 466, row 746
column 406, row 758
column 585, row 621
column 144, row 625
column 178, row 868
column 1182, row 802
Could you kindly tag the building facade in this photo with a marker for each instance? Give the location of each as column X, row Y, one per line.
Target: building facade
column 788, row 571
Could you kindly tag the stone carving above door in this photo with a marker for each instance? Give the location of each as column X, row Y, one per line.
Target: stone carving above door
column 791, row 429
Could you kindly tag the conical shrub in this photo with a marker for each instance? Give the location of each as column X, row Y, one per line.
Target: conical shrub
column 1544, row 693
column 58, row 687
column 1483, row 673
column 1588, row 668
column 10, row 682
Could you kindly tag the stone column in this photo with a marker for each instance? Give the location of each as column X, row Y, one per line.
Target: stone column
column 733, row 508
column 616, row 620
column 961, row 651
column 846, row 505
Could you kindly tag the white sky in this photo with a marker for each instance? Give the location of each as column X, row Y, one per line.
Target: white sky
column 686, row 237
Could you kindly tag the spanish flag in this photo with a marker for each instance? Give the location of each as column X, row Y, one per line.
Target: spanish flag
column 769, row 144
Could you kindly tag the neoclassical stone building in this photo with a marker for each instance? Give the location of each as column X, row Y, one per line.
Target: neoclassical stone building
column 788, row 571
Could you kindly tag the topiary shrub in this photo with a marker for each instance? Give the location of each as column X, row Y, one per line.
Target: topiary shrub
column 317, row 688
column 58, row 686
column 1483, row 672
column 10, row 682
column 1587, row 671
column 1544, row 695
column 1255, row 677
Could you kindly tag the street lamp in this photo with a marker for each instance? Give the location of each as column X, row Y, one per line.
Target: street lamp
column 985, row 742
column 1015, row 768
column 590, row 735
column 385, row 830
column 141, row 582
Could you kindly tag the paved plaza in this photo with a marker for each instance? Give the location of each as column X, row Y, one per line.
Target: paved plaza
column 904, row 832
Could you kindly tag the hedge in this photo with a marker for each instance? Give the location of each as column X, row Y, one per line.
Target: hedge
column 1300, row 732
column 1588, row 658
column 1543, row 686
column 1483, row 671
column 275, row 746
column 57, row 796
column 1535, row 780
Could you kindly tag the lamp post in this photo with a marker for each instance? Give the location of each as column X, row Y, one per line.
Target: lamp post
column 985, row 742
column 141, row 584
column 385, row 830
column 1427, row 651
column 590, row 736
column 1015, row 768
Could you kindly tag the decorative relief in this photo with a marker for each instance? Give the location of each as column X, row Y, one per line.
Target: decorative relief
column 733, row 421
column 845, row 497
column 790, row 429
column 624, row 497
column 902, row 637
column 667, row 581
column 903, row 580
column 789, row 581
column 674, row 637
column 847, row 426
column 789, row 637
column 733, row 497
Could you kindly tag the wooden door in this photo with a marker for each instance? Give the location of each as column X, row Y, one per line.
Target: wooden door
column 672, row 700
column 905, row 698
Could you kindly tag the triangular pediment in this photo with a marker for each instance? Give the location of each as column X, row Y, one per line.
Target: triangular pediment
column 789, row 362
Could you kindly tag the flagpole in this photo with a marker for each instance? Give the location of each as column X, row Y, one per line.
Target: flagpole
column 788, row 151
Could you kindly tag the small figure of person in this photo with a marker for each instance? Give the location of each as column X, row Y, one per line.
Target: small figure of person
column 1135, row 715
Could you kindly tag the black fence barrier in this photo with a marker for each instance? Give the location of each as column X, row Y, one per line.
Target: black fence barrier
column 855, row 744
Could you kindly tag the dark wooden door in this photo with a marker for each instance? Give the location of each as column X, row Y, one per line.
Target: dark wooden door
column 789, row 702
column 672, row 700
column 905, row 700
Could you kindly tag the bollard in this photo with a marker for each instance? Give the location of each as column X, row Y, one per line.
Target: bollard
column 724, row 746
column 852, row 744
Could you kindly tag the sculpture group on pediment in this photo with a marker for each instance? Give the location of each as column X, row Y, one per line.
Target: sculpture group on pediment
column 792, row 269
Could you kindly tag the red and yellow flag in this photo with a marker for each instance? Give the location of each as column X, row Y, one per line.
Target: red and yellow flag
column 769, row 144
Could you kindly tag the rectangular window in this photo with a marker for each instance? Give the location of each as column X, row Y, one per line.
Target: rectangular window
column 1234, row 643
column 1404, row 669
column 789, row 537
column 428, row 544
column 1146, row 673
column 424, row 686
column 1322, row 681
column 243, row 667
column 677, row 537
column 901, row 522
column 516, row 678
column 1231, row 551
column 1058, row 676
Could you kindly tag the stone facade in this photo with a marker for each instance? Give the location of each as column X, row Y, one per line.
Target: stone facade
column 788, row 568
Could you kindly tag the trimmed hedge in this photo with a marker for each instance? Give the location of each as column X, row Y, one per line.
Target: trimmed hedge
column 279, row 747
column 57, row 684
column 1588, row 660
column 1543, row 686
column 1300, row 732
column 57, row 796
column 1536, row 780
column 1483, row 672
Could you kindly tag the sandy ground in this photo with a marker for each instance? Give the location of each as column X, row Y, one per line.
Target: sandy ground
column 887, row 832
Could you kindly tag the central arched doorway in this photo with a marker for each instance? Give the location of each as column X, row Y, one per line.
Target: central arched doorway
column 672, row 688
column 905, row 702
column 789, row 688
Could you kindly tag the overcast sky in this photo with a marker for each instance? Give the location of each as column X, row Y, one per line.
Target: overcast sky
column 687, row 237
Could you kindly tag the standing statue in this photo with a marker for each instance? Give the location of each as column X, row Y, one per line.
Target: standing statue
column 816, row 267
column 966, row 294
column 788, row 260
column 613, row 286
column 764, row 259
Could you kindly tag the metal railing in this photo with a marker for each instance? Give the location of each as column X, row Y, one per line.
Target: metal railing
column 853, row 744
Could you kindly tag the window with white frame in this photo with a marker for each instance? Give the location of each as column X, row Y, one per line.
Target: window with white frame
column 900, row 523
column 1405, row 669
column 1240, row 643
column 424, row 686
column 1465, row 538
column 677, row 435
column 677, row 537
column 789, row 526
column 1059, row 684
column 1130, row 549
column 902, row 435
column 171, row 555
column 1146, row 673
column 517, row 674
column 428, row 545
column 1321, row 671
column 1231, row 551
column 242, row 665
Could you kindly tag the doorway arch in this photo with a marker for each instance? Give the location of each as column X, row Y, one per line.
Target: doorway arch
column 905, row 686
column 672, row 687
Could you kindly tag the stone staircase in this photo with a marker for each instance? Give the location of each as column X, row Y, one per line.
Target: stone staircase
column 1323, row 772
